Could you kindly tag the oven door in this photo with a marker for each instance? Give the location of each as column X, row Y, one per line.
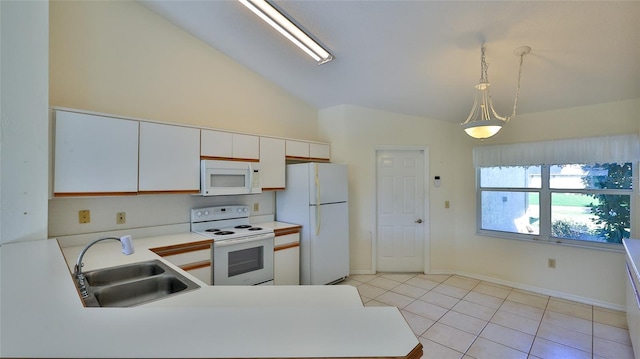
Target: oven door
column 243, row 261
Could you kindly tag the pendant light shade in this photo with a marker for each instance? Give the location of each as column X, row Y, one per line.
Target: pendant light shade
column 483, row 121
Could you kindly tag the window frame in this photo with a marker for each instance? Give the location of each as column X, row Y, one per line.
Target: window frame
column 545, row 193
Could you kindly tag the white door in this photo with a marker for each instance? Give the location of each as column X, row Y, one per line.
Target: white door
column 400, row 211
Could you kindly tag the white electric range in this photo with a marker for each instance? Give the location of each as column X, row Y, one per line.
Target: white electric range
column 242, row 253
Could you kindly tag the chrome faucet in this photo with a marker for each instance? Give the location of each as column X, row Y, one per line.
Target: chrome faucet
column 127, row 248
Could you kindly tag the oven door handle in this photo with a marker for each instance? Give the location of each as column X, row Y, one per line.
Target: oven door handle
column 230, row 242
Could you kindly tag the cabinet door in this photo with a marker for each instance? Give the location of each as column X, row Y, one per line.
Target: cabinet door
column 169, row 158
column 297, row 149
column 286, row 260
column 272, row 163
column 319, row 151
column 216, row 144
column 246, row 147
column 94, row 155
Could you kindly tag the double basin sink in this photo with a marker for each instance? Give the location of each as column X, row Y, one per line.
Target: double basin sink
column 134, row 284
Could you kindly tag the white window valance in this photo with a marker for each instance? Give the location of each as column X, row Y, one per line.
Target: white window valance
column 591, row 150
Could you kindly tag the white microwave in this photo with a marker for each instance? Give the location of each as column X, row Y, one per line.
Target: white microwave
column 219, row 178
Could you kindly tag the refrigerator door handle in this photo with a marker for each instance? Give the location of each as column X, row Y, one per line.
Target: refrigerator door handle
column 317, row 179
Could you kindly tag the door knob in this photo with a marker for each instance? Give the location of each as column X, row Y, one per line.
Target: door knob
column 419, row 221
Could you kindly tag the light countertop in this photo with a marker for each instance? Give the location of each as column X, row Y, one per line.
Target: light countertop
column 632, row 247
column 42, row 315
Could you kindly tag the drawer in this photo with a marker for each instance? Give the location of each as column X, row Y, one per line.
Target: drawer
column 185, row 254
column 288, row 240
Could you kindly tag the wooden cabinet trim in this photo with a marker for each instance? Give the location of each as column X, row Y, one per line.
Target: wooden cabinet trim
column 185, row 191
column 273, row 188
column 182, row 248
column 230, row 159
column 286, row 246
column 195, row 265
column 308, row 159
column 416, row 353
column 93, row 194
column 284, row 231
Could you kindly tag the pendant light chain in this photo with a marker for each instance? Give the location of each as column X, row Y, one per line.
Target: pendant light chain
column 515, row 103
column 484, row 75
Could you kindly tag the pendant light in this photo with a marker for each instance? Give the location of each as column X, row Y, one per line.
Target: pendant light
column 483, row 121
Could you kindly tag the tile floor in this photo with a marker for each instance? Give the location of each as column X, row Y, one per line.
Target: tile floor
column 460, row 317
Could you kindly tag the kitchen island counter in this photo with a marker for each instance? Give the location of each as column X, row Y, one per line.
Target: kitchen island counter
column 42, row 316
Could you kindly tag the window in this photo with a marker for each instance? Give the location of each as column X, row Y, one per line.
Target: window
column 577, row 191
column 570, row 203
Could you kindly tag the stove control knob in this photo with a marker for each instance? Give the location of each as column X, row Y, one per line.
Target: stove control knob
column 206, row 213
column 198, row 213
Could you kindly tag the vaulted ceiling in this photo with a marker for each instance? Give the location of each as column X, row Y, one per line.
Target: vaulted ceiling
column 423, row 57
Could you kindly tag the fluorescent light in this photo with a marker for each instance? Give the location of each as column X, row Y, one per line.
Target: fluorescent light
column 279, row 22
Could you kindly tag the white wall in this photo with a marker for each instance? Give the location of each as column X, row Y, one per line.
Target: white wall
column 584, row 274
column 24, row 50
column 120, row 58
column 354, row 133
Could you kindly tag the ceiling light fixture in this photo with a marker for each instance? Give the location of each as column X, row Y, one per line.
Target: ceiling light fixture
column 279, row 22
column 480, row 123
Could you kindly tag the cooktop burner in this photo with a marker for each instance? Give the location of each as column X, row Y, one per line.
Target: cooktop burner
column 242, row 226
column 212, row 230
column 223, row 233
column 254, row 229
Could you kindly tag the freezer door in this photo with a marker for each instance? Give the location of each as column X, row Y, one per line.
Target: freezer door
column 328, row 183
column 329, row 245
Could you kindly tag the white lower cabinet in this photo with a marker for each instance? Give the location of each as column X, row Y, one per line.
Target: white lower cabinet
column 286, row 258
column 194, row 258
column 633, row 309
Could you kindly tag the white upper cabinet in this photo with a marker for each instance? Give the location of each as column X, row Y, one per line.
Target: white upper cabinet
column 319, row 151
column 94, row 155
column 246, row 147
column 307, row 150
column 169, row 158
column 228, row 145
column 272, row 163
column 297, row 149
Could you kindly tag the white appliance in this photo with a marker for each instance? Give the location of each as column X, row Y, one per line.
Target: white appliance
column 229, row 177
column 242, row 253
column 316, row 198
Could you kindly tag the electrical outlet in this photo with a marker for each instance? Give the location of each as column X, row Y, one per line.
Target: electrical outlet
column 551, row 263
column 84, row 216
column 121, row 218
column 256, row 206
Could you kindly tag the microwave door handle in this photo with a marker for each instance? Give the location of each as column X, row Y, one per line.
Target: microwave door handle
column 250, row 184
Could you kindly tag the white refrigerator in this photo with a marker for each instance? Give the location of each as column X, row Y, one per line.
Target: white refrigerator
column 316, row 197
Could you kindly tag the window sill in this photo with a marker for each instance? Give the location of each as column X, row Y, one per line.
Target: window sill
column 608, row 247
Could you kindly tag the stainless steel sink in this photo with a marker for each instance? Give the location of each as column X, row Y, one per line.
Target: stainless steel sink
column 123, row 273
column 134, row 284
